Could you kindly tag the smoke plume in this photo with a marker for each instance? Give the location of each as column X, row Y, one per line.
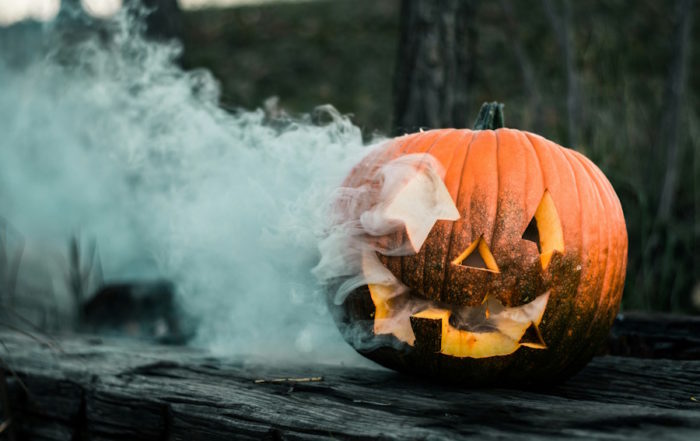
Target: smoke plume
column 103, row 136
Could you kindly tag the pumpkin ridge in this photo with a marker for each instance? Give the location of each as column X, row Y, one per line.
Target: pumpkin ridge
column 529, row 214
column 513, row 156
column 499, row 188
column 395, row 263
column 612, row 298
column 595, row 171
column 465, row 215
column 605, row 203
column 376, row 166
column 478, row 192
column 427, row 278
column 412, row 266
column 526, row 184
column 607, row 293
column 506, row 363
column 487, row 192
column 621, row 228
column 564, row 317
column 587, row 316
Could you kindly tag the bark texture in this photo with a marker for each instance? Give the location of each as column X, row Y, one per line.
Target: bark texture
column 165, row 19
column 669, row 134
column 435, row 65
column 561, row 22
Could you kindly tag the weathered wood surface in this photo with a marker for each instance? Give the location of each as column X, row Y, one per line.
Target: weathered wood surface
column 89, row 388
column 655, row 336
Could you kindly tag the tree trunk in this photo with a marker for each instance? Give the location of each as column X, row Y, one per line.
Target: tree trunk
column 561, row 24
column 165, row 19
column 670, row 121
column 7, row 427
column 527, row 69
column 435, row 65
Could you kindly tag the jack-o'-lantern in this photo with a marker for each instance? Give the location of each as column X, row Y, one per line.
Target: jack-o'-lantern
column 481, row 256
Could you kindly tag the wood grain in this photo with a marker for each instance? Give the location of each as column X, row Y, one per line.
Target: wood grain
column 94, row 388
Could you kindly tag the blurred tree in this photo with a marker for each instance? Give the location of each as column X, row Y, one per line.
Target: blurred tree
column 71, row 9
column 435, row 65
column 163, row 17
column 673, row 100
column 164, row 20
column 530, row 83
column 667, row 237
column 561, row 24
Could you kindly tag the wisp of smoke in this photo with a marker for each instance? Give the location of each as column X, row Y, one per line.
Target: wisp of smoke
column 405, row 194
column 104, row 136
column 387, row 208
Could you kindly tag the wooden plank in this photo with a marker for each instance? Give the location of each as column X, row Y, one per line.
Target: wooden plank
column 637, row 334
column 110, row 389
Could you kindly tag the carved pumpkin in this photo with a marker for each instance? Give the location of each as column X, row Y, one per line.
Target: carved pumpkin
column 505, row 262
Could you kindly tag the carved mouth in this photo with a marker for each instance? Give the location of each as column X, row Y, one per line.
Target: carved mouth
column 488, row 330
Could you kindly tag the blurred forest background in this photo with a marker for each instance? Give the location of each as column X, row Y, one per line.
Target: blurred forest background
column 616, row 80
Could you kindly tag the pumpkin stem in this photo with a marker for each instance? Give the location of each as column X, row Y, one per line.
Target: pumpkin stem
column 490, row 117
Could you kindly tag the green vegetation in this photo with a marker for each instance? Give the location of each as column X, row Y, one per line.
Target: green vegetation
column 310, row 53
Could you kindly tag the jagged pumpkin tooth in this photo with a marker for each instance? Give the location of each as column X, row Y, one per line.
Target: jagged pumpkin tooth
column 533, row 338
column 428, row 332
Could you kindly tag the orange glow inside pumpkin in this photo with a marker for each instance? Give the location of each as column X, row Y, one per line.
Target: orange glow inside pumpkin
column 509, row 327
column 498, row 330
column 551, row 236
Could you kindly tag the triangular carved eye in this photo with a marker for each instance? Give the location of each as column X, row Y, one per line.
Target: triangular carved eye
column 477, row 256
column 545, row 230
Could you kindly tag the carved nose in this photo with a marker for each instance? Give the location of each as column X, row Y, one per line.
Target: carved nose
column 477, row 256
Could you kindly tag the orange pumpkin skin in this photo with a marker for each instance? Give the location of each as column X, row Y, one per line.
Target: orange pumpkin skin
column 497, row 179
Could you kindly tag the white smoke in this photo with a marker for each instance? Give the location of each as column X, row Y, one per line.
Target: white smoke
column 406, row 194
column 106, row 137
column 390, row 212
